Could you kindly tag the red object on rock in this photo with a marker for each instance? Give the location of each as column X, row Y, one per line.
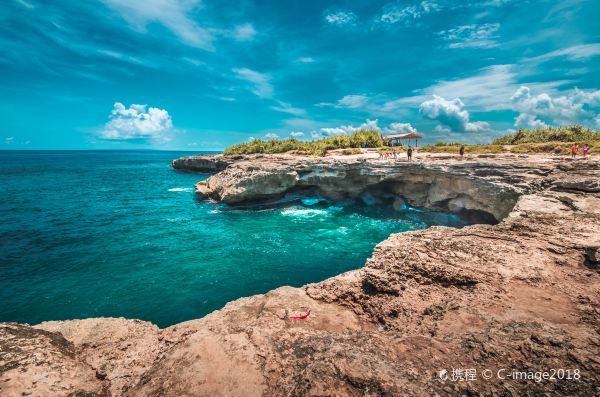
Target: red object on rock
column 302, row 316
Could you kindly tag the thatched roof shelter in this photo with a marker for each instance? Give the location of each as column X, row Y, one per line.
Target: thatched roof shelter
column 398, row 138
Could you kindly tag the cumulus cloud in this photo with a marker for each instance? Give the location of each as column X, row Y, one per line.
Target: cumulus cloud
column 260, row 83
column 400, row 128
column 480, row 36
column 296, row 134
column 525, row 120
column 341, row 18
column 173, row 14
column 244, row 32
column 138, row 122
column 306, row 60
column 398, row 12
column 271, row 136
column 577, row 106
column 349, row 129
column 451, row 113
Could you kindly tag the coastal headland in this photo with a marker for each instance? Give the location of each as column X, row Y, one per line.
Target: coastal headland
column 441, row 311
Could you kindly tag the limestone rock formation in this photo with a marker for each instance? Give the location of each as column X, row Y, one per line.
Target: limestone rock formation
column 490, row 186
column 521, row 296
column 205, row 163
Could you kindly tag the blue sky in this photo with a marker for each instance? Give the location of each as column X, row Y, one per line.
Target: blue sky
column 201, row 75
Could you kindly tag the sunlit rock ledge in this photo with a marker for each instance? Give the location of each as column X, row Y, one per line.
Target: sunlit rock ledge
column 523, row 295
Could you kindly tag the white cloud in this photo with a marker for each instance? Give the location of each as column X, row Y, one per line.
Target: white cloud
column 353, row 101
column 306, row 60
column 441, row 129
column 9, row 140
column 451, row 114
column 480, row 36
column 349, row 129
column 287, row 108
column 575, row 53
column 261, row 85
column 316, row 135
column 400, row 128
column 244, row 32
column 525, row 120
column 341, row 18
column 296, row 134
column 173, row 14
column 348, row 101
column 576, row 106
column 394, row 13
column 271, row 136
column 137, row 123
column 489, row 89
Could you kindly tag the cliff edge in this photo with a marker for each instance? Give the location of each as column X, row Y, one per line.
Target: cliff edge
column 440, row 311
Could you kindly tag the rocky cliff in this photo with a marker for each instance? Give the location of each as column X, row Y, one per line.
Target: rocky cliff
column 520, row 296
column 489, row 186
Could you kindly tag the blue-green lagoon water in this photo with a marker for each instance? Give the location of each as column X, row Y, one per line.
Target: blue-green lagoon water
column 119, row 233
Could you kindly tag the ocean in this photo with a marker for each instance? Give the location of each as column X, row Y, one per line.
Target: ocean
column 121, row 234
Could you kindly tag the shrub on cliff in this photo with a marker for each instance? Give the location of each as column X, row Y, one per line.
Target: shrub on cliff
column 360, row 138
column 573, row 133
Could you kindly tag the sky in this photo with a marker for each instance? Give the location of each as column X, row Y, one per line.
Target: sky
column 202, row 75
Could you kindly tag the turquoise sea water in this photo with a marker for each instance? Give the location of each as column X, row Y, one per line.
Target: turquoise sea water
column 119, row 233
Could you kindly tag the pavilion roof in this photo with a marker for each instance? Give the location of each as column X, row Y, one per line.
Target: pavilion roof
column 410, row 135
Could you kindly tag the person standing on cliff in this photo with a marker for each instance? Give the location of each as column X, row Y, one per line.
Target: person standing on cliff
column 462, row 151
column 409, row 153
column 574, row 150
column 585, row 150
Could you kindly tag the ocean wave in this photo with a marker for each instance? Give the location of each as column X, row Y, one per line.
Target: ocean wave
column 181, row 189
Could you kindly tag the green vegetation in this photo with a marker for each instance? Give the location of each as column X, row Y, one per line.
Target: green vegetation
column 361, row 138
column 551, row 140
column 573, row 133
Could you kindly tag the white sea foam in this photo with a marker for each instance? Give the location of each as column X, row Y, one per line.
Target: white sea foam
column 303, row 212
column 181, row 189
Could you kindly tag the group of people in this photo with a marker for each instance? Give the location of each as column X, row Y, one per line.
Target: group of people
column 394, row 154
column 575, row 150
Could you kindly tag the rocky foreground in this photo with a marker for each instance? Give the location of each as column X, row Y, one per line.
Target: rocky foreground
column 427, row 308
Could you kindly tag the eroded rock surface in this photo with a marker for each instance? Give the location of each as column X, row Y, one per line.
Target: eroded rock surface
column 488, row 185
column 522, row 295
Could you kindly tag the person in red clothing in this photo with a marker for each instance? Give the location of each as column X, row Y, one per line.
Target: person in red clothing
column 574, row 150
